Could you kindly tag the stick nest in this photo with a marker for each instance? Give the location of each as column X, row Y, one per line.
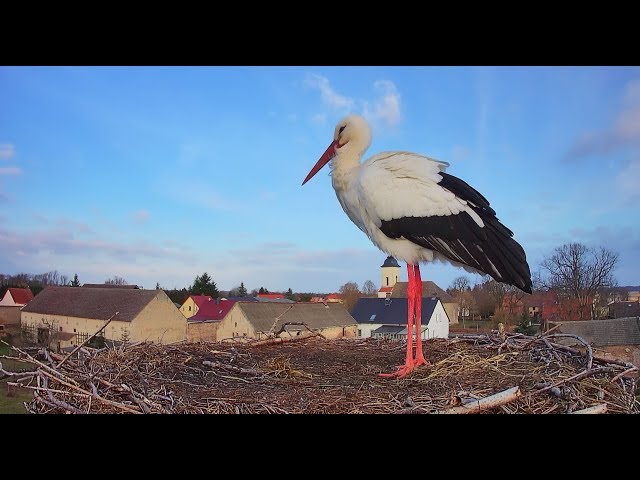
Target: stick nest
column 319, row 376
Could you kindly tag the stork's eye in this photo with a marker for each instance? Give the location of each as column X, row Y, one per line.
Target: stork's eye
column 341, row 129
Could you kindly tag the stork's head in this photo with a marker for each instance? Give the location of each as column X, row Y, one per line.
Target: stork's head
column 351, row 138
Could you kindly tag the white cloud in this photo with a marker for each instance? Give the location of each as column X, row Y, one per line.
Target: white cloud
column 10, row 171
column 628, row 182
column 625, row 131
column 319, row 119
column 7, row 151
column 199, row 194
column 329, row 97
column 140, row 216
column 385, row 109
column 64, row 242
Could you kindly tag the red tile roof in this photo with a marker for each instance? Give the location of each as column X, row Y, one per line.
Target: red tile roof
column 271, row 295
column 334, row 296
column 386, row 289
column 21, row 296
column 200, row 300
column 212, row 311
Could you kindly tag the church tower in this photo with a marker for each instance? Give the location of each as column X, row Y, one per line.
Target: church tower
column 390, row 271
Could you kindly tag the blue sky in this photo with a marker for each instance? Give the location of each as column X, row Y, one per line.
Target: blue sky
column 159, row 174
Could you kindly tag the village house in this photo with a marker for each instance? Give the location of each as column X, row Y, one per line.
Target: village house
column 12, row 301
column 66, row 316
column 255, row 320
column 623, row 309
column 270, row 296
column 203, row 326
column 392, row 287
column 430, row 289
column 612, row 338
column 387, row 318
column 193, row 303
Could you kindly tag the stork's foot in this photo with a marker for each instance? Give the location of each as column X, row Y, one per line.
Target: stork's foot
column 420, row 360
column 403, row 371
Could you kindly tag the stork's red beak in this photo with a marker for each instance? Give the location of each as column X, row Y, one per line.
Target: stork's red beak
column 324, row 159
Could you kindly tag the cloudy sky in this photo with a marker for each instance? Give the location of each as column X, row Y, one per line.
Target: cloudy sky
column 161, row 174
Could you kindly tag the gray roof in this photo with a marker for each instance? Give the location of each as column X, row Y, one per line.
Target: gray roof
column 273, row 300
column 94, row 303
column 262, row 315
column 428, row 289
column 392, row 312
column 624, row 309
column 107, row 285
column 600, row 333
column 390, row 262
column 388, row 330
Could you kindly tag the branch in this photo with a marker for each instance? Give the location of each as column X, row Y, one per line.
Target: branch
column 486, row 403
column 87, row 340
column 602, row 408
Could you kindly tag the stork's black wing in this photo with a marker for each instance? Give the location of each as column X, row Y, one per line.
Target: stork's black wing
column 489, row 249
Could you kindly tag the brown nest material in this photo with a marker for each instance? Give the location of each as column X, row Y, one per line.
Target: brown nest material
column 313, row 375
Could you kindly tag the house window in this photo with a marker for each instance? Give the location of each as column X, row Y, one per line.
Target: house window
column 74, row 330
column 372, row 318
column 189, row 307
column 60, row 328
column 359, row 333
column 236, row 324
column 387, row 281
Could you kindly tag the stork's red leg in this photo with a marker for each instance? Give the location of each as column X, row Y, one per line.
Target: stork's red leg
column 419, row 360
column 409, row 363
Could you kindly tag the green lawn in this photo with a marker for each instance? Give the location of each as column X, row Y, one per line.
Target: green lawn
column 12, row 403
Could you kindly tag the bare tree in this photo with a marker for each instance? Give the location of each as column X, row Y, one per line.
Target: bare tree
column 369, row 289
column 350, row 294
column 116, row 280
column 459, row 284
column 580, row 272
column 460, row 290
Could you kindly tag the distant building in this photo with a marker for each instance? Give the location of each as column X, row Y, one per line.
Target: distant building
column 203, row 326
column 255, row 320
column 193, row 303
column 624, row 309
column 430, row 289
column 12, row 302
column 16, row 297
column 390, row 274
column 392, row 287
column 615, row 338
column 387, row 318
column 66, row 316
column 271, row 296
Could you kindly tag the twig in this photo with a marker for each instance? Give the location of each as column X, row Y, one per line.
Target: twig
column 87, row 340
column 579, row 376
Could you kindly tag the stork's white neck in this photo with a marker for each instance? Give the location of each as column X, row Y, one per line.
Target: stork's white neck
column 347, row 158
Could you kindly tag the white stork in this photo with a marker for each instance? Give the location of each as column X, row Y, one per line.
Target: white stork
column 411, row 209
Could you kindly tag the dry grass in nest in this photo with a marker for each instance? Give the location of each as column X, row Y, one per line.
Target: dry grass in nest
column 313, row 375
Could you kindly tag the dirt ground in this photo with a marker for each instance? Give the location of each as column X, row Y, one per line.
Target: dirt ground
column 319, row 376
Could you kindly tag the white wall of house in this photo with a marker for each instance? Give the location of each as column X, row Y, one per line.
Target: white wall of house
column 365, row 329
column 438, row 325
